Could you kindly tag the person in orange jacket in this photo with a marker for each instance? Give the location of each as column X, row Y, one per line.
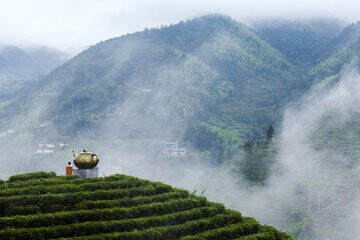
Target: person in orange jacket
column 69, row 169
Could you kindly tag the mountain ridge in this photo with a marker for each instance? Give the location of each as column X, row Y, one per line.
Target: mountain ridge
column 237, row 37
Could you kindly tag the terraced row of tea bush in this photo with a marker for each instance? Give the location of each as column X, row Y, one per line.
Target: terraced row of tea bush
column 46, row 206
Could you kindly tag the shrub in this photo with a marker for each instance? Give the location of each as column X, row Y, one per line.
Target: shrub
column 168, row 232
column 87, row 228
column 266, row 233
column 22, row 210
column 98, row 204
column 68, row 187
column 126, row 202
column 245, row 227
column 62, row 218
column 71, row 199
column 260, row 236
column 42, row 206
column 67, row 179
column 27, row 176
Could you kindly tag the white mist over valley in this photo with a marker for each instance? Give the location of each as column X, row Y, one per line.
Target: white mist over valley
column 257, row 111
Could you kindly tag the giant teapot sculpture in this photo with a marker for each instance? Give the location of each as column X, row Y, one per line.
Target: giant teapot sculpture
column 85, row 160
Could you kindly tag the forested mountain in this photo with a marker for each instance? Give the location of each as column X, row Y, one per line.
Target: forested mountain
column 344, row 48
column 303, row 43
column 209, row 82
column 332, row 138
column 18, row 67
column 214, row 85
column 203, row 73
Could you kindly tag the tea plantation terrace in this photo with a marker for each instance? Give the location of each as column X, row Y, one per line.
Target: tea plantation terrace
column 45, row 206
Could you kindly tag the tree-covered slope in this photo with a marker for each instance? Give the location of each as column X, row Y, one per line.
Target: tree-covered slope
column 45, row 206
column 209, row 69
column 29, row 63
column 343, row 49
column 302, row 42
column 18, row 66
column 213, row 85
column 19, row 70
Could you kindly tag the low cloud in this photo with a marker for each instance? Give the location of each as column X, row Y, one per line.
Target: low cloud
column 72, row 26
column 316, row 179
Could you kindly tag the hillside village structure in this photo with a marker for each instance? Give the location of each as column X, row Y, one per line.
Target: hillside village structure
column 172, row 150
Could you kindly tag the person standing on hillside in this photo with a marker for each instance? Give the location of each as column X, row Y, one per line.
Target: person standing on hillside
column 69, row 169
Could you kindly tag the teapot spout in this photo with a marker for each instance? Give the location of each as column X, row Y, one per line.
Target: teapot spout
column 74, row 154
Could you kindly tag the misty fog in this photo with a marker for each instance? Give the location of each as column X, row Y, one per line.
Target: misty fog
column 314, row 178
column 73, row 26
column 309, row 179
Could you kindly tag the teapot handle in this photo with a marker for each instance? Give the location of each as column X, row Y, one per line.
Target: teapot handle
column 94, row 157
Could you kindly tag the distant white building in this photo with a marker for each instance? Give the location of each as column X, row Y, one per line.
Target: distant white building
column 48, row 151
column 146, row 90
column 178, row 152
column 48, row 148
column 172, row 150
column 171, row 145
column 44, row 151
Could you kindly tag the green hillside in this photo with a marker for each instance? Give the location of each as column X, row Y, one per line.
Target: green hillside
column 209, row 83
column 210, row 69
column 303, row 43
column 212, row 84
column 343, row 49
column 19, row 67
column 45, row 206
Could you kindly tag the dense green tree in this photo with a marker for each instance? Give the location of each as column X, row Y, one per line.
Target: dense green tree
column 258, row 158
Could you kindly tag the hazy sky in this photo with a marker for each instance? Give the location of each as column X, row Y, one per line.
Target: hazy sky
column 74, row 24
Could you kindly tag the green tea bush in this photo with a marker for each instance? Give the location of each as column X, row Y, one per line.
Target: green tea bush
column 47, row 181
column 68, row 179
column 170, row 231
column 39, row 190
column 126, row 202
column 247, row 226
column 88, row 228
column 62, row 218
column 71, row 199
column 44, row 206
column 27, row 176
column 266, row 233
column 22, row 210
column 260, row 236
column 98, row 204
column 66, row 188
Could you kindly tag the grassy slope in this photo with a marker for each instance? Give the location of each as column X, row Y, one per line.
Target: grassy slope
column 45, row 206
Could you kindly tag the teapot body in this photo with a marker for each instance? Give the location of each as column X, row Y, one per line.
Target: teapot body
column 86, row 160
